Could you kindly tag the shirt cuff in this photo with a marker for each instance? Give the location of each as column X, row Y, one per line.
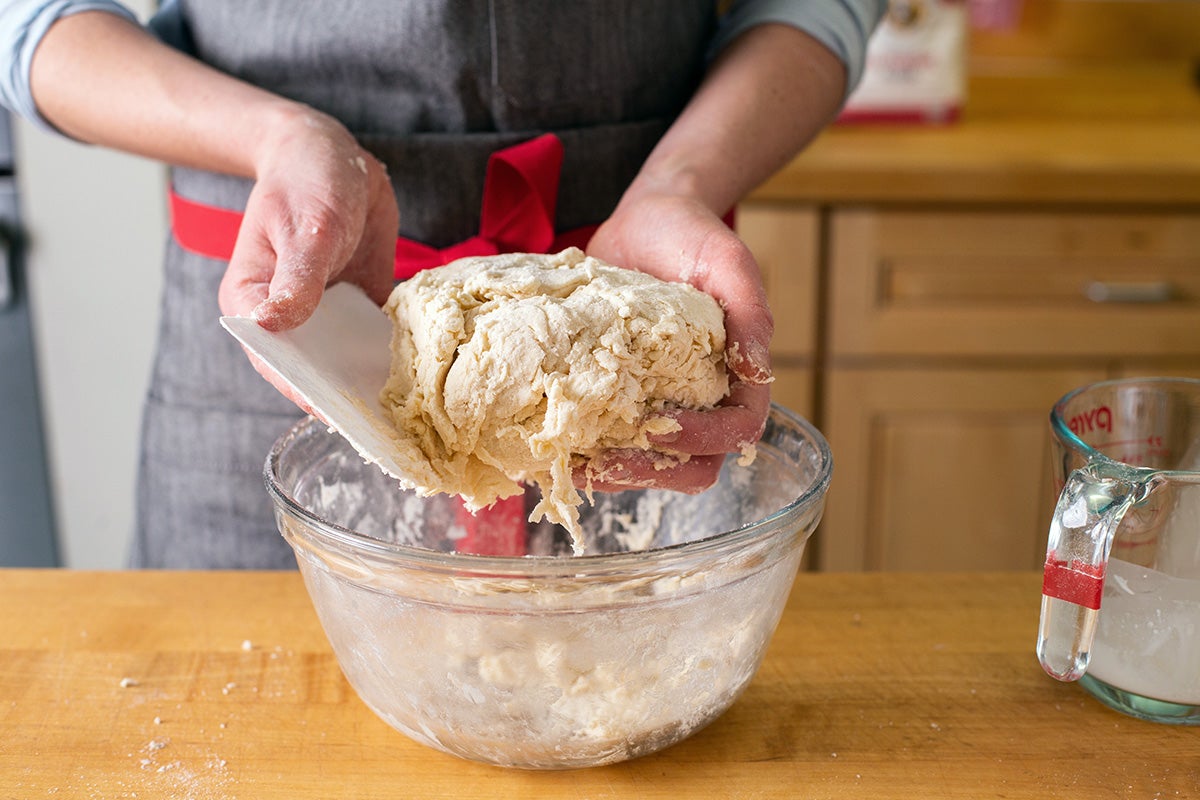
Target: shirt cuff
column 22, row 26
column 843, row 26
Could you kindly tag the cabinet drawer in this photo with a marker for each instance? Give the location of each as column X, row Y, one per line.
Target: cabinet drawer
column 784, row 242
column 1014, row 284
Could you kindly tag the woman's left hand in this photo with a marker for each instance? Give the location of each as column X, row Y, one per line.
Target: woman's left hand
column 676, row 238
column 764, row 97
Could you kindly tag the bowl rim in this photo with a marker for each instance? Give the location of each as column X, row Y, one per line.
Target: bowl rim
column 332, row 535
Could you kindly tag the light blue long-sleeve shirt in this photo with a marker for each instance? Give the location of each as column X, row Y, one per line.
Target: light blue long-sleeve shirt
column 23, row 23
column 841, row 25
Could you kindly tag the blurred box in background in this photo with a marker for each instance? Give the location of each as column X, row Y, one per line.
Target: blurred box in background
column 916, row 65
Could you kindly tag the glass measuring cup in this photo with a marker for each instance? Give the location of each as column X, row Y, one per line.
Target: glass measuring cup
column 1121, row 587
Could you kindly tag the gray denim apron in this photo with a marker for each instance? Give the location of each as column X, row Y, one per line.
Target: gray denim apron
column 432, row 89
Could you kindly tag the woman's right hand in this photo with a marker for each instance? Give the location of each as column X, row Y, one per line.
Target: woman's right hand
column 321, row 211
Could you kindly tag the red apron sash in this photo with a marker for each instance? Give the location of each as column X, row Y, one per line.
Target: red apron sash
column 520, row 195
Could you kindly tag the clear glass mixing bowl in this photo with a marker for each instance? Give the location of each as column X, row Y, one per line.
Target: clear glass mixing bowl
column 550, row 660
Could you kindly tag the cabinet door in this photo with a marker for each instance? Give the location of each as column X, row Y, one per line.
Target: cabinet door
column 27, row 531
column 940, row 469
column 783, row 239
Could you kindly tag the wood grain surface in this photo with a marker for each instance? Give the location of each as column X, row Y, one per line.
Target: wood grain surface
column 1095, row 133
column 222, row 685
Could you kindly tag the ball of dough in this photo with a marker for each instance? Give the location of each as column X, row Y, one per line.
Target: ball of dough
column 514, row 368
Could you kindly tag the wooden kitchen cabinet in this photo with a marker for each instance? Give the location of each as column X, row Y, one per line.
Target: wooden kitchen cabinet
column 785, row 241
column 937, row 288
column 939, row 468
column 941, row 339
column 950, row 335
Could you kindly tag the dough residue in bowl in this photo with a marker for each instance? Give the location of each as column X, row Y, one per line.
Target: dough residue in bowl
column 516, row 368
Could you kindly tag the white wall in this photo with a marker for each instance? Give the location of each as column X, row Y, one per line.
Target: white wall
column 96, row 222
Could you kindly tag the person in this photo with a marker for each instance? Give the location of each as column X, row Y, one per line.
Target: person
column 329, row 132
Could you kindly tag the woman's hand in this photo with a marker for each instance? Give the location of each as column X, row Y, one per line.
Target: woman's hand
column 321, row 211
column 764, row 98
column 677, row 238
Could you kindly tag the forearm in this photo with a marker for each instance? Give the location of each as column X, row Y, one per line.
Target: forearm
column 768, row 94
column 104, row 80
column 321, row 210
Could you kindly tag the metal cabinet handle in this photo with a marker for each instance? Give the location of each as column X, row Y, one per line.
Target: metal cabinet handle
column 1113, row 292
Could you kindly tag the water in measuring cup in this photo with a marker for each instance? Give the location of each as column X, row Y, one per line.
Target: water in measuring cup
column 1148, row 637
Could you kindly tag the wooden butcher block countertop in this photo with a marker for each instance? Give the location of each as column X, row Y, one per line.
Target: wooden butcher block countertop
column 222, row 685
column 1105, row 132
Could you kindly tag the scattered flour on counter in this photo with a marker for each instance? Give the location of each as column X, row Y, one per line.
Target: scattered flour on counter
column 183, row 777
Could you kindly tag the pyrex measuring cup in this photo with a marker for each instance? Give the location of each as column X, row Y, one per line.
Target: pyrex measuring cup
column 1121, row 592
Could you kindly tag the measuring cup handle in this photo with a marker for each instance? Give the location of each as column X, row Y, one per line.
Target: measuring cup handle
column 1089, row 511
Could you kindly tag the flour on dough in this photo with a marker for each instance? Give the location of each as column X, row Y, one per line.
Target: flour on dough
column 515, row 368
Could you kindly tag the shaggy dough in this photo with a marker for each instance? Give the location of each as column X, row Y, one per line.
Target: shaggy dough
column 514, row 368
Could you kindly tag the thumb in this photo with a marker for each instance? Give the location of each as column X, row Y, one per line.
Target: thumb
column 294, row 291
column 277, row 276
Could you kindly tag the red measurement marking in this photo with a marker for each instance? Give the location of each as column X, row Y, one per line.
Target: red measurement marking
column 1077, row 582
column 498, row 530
